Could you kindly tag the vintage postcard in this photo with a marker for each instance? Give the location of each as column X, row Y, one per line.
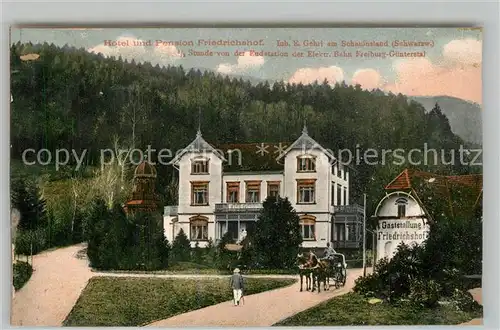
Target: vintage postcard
column 232, row 176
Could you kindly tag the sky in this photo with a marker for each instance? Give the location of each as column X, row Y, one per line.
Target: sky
column 449, row 60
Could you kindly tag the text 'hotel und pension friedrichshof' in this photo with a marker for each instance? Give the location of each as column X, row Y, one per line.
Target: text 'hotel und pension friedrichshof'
column 289, row 48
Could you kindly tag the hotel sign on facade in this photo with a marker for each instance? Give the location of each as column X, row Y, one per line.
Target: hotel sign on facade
column 400, row 219
column 391, row 233
column 402, row 230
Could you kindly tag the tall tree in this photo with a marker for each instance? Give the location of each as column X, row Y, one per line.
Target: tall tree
column 277, row 236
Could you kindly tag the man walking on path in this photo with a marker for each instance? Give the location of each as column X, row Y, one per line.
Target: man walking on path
column 237, row 286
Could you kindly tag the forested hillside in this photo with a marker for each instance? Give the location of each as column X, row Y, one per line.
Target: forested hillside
column 72, row 99
column 465, row 117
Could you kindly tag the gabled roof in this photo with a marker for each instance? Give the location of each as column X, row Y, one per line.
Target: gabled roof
column 305, row 143
column 251, row 157
column 198, row 145
column 461, row 193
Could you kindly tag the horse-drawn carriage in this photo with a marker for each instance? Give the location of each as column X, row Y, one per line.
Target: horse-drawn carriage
column 316, row 270
column 338, row 270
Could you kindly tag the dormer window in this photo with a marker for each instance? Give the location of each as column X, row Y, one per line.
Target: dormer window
column 199, row 166
column 306, row 163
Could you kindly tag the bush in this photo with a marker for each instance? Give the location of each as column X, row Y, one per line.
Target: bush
column 369, row 286
column 31, row 241
column 464, row 301
column 197, row 253
column 425, row 293
column 27, row 198
column 225, row 259
column 21, row 274
column 181, row 247
column 209, row 256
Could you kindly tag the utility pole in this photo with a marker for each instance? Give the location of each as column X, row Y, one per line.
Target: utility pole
column 373, row 250
column 364, row 234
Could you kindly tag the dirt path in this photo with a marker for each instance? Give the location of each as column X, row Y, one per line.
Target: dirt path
column 262, row 309
column 49, row 295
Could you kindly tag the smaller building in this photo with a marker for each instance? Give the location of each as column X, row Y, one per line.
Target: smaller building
column 405, row 212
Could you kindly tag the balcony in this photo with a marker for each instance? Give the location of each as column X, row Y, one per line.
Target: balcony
column 348, row 209
column 170, row 210
column 238, row 207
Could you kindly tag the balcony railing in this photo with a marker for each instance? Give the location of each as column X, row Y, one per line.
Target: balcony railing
column 346, row 244
column 170, row 210
column 238, row 207
column 350, row 209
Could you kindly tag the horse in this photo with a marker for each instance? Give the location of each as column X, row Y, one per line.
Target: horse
column 327, row 272
column 305, row 271
column 319, row 272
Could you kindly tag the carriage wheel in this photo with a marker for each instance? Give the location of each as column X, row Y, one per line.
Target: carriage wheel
column 338, row 280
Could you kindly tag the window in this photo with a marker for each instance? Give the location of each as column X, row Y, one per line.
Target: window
column 345, row 195
column 233, row 192
column 253, row 192
column 339, row 171
column 333, row 193
column 199, row 166
column 401, row 203
column 232, row 228
column 199, row 193
column 306, row 191
column 199, row 228
column 306, row 164
column 401, row 211
column 339, row 194
column 351, row 232
column 340, row 232
column 307, row 225
column 273, row 188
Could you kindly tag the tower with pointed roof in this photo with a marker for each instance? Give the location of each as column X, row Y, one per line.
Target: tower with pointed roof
column 144, row 197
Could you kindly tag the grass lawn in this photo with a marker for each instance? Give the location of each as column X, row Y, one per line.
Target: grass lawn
column 111, row 301
column 353, row 309
column 189, row 268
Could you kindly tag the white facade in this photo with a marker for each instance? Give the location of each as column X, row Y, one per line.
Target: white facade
column 212, row 202
column 400, row 219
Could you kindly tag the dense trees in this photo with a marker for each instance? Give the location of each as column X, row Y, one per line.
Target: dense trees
column 128, row 242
